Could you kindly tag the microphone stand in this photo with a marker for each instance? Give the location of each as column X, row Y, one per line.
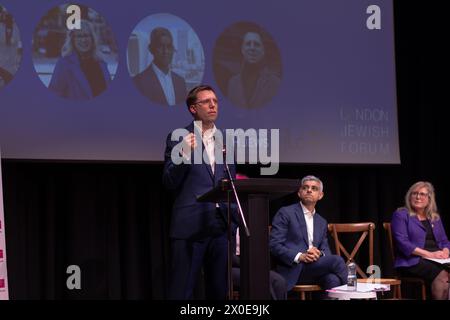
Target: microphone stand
column 236, row 197
column 242, row 220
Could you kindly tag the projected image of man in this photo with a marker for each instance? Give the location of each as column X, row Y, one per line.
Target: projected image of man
column 158, row 82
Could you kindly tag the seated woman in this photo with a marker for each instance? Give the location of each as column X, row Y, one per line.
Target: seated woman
column 419, row 234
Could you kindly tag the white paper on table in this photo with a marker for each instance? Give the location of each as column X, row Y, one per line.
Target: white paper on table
column 364, row 287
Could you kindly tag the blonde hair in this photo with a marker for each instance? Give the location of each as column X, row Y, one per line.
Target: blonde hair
column 68, row 46
column 430, row 210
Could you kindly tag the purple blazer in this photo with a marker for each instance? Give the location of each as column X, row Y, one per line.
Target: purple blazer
column 408, row 233
column 69, row 81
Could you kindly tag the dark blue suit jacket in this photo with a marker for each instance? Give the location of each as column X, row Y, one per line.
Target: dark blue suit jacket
column 148, row 84
column 192, row 219
column 289, row 237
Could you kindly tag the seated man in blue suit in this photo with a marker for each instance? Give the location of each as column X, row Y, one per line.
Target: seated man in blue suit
column 158, row 82
column 299, row 242
column 198, row 230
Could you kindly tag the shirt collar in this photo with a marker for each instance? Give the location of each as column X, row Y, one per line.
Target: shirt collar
column 306, row 211
column 208, row 134
column 159, row 72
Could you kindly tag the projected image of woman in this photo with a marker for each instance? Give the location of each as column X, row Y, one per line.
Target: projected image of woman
column 10, row 47
column 81, row 73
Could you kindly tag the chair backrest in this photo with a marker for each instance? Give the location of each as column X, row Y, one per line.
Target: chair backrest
column 365, row 229
column 387, row 228
column 414, row 280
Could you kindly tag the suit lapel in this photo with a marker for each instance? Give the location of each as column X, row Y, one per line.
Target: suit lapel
column 218, row 169
column 196, row 131
column 80, row 77
column 316, row 233
column 416, row 221
column 219, row 158
column 208, row 165
column 154, row 87
column 302, row 223
column 219, row 164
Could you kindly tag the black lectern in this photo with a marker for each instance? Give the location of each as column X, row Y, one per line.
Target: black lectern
column 255, row 195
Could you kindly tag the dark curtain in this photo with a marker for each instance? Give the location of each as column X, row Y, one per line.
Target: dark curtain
column 112, row 219
column 109, row 219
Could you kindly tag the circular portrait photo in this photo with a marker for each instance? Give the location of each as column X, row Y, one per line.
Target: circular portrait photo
column 74, row 52
column 165, row 59
column 247, row 65
column 10, row 47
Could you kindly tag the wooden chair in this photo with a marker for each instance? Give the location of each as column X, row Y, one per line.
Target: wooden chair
column 417, row 281
column 305, row 290
column 365, row 229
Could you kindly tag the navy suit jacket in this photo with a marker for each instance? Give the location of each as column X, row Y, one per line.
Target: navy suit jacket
column 289, row 237
column 148, row 84
column 192, row 219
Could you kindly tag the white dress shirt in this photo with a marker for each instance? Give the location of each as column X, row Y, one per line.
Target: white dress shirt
column 208, row 142
column 309, row 218
column 166, row 83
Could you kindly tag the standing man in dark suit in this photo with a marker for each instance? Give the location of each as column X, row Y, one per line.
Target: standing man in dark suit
column 158, row 82
column 198, row 229
column 299, row 242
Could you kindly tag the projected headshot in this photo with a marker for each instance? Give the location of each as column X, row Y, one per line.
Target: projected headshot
column 165, row 59
column 10, row 47
column 247, row 65
column 74, row 52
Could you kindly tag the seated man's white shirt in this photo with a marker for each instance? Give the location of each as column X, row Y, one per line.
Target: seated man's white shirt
column 309, row 218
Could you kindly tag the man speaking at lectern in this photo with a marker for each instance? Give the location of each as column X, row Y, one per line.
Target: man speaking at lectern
column 198, row 230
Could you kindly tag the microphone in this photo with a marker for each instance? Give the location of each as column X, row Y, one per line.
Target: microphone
column 224, row 152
